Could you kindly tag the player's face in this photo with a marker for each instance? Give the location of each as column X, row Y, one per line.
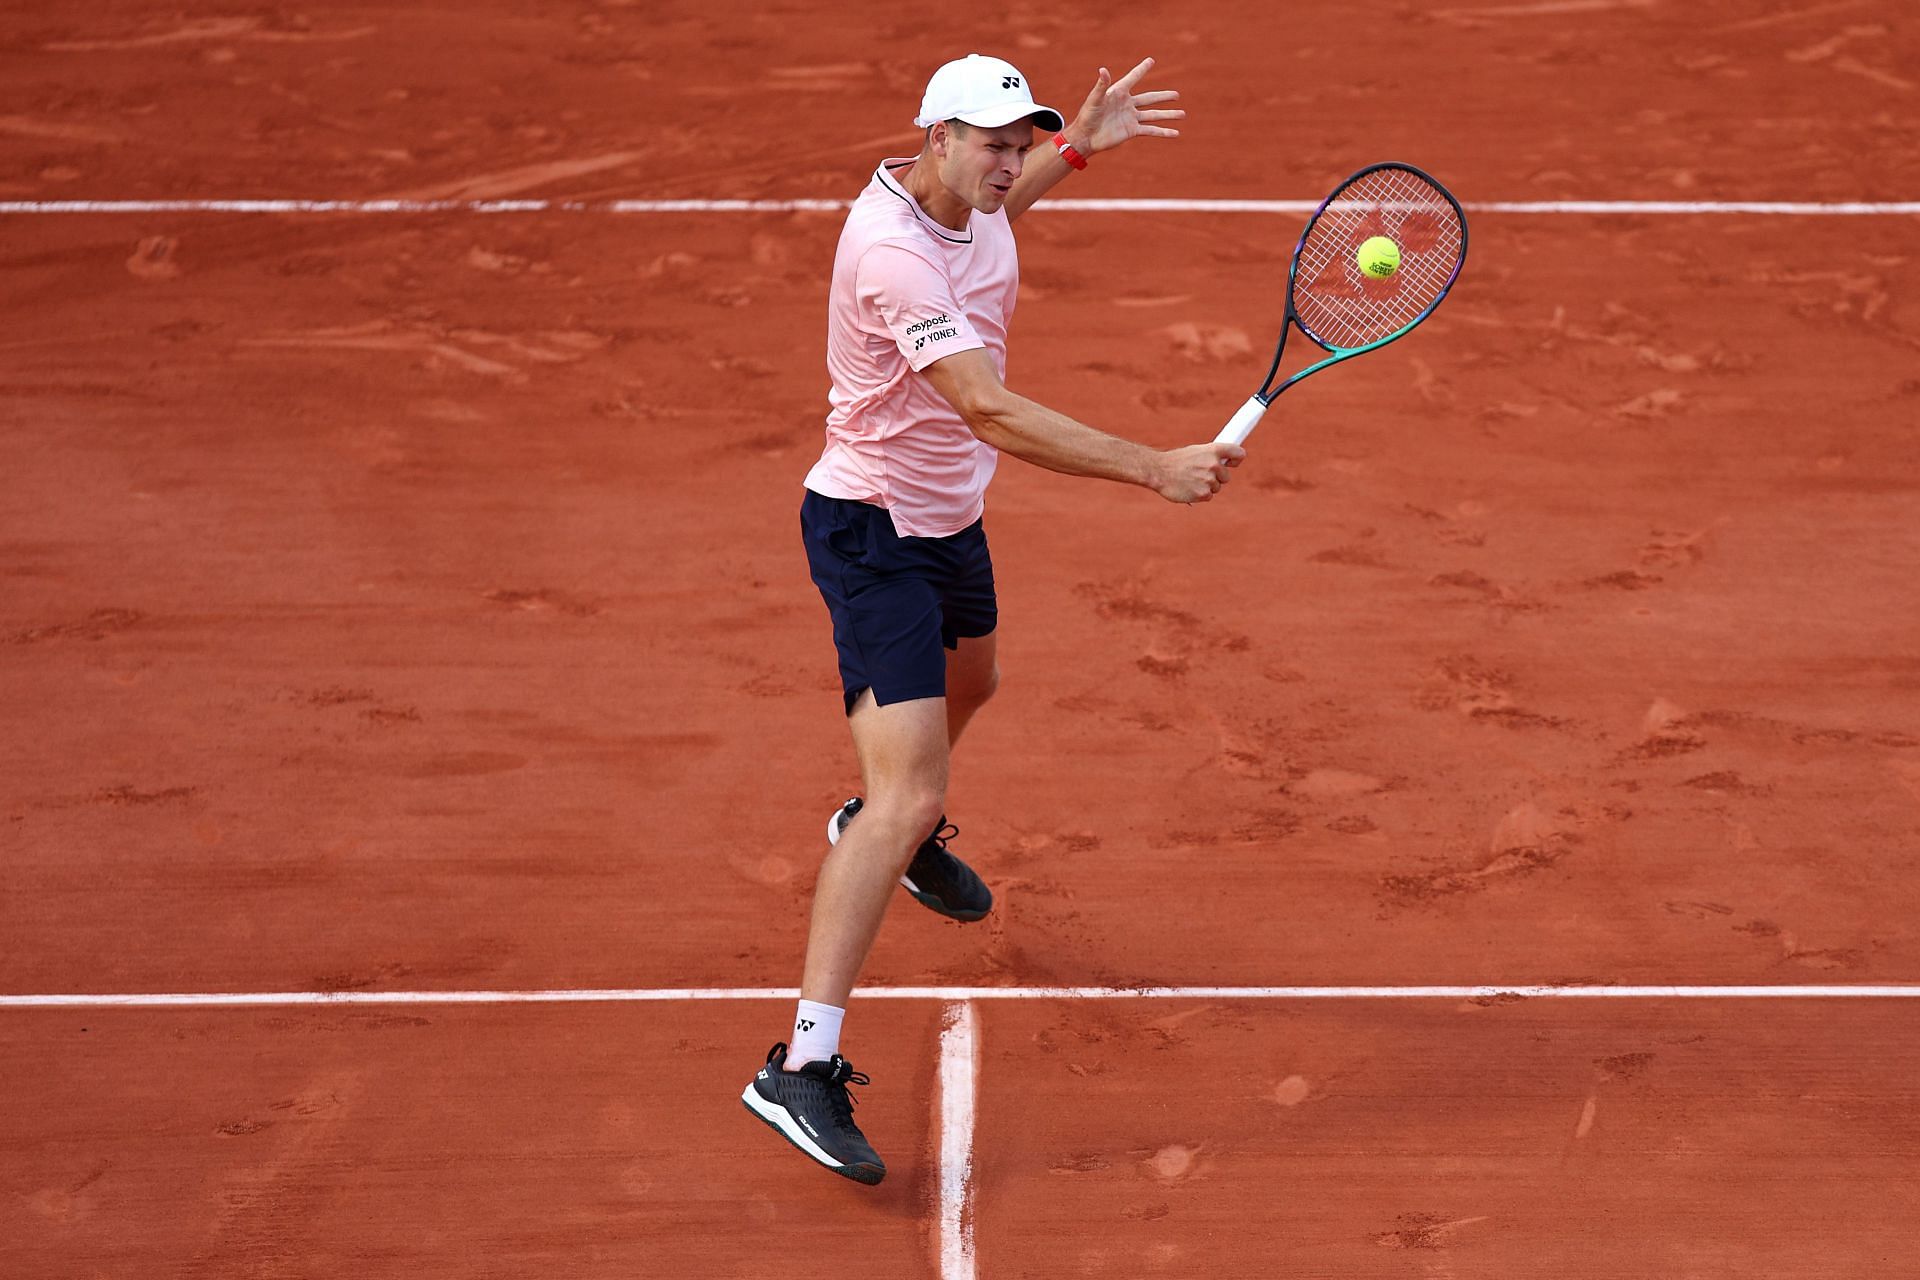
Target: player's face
column 983, row 164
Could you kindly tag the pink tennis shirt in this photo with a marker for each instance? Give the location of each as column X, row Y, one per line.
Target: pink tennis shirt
column 906, row 292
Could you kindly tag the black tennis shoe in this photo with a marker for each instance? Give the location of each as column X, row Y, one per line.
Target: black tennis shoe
column 812, row 1109
column 936, row 878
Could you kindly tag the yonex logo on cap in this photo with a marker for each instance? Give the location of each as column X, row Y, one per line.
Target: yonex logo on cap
column 983, row 91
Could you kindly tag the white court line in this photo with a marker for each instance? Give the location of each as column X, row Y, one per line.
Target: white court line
column 1548, row 991
column 959, row 1061
column 1780, row 208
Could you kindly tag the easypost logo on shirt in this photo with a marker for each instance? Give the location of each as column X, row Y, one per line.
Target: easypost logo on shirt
column 923, row 331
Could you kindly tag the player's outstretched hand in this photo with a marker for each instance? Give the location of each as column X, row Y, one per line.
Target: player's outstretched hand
column 1114, row 113
column 1195, row 473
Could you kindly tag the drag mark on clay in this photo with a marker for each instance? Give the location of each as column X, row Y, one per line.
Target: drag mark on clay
column 549, row 348
column 335, row 696
column 1622, row 1066
column 242, row 1128
column 1824, row 958
column 1794, row 952
column 1768, row 727
column 1825, row 50
column 1619, row 1069
column 1791, row 15
column 254, row 29
column 377, row 335
column 543, row 600
column 1726, row 783
column 52, row 131
column 1336, row 784
column 256, row 1202
column 1423, row 1231
column 1164, row 1027
column 1480, row 692
column 1696, row 910
column 1585, row 1126
column 97, row 625
column 123, row 796
column 1525, row 841
column 827, row 77
column 1673, row 550
column 1653, row 404
column 1179, row 633
column 1494, row 593
column 1354, row 557
column 507, row 182
column 463, row 764
column 1443, row 884
column 1624, row 580
column 1665, row 730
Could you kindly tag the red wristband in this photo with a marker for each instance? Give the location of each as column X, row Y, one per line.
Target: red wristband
column 1067, row 152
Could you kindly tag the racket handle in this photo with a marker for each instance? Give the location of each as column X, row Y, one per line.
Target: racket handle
column 1240, row 426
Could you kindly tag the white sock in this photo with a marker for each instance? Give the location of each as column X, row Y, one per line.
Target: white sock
column 816, row 1034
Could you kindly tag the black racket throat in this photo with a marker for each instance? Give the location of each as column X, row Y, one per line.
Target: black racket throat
column 1267, row 390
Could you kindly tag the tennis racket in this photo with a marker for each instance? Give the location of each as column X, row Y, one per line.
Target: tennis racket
column 1346, row 311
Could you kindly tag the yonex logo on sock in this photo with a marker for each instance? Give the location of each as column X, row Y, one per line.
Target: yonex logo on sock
column 806, row 1024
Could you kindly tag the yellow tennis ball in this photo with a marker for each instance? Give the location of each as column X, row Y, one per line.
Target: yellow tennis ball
column 1379, row 257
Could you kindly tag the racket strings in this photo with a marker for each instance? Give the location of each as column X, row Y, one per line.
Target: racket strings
column 1343, row 307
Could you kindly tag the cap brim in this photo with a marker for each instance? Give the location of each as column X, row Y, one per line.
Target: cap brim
column 1007, row 113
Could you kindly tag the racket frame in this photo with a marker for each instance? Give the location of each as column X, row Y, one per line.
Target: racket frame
column 1241, row 424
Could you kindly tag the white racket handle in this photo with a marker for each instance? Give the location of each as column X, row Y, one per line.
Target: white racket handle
column 1240, row 426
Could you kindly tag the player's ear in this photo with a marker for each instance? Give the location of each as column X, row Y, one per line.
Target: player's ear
column 937, row 135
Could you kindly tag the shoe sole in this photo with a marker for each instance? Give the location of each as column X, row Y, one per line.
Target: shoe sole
column 776, row 1118
column 932, row 903
column 926, row 900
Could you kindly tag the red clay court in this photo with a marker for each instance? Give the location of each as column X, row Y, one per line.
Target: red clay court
column 407, row 657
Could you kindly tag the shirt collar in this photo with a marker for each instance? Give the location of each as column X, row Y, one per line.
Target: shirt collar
column 887, row 180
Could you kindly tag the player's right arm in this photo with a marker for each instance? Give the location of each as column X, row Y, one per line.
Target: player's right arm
column 1034, row 433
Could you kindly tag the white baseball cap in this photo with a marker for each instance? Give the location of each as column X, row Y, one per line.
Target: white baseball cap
column 983, row 91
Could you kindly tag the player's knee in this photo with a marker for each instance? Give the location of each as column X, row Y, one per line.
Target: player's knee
column 910, row 812
column 922, row 811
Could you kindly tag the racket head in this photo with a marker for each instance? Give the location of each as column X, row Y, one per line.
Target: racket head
column 1337, row 304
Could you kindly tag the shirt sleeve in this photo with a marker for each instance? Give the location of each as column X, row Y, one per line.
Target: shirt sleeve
column 913, row 301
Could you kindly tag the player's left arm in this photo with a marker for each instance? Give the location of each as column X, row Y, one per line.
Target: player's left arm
column 1113, row 114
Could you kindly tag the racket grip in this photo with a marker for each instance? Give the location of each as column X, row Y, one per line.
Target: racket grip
column 1240, row 426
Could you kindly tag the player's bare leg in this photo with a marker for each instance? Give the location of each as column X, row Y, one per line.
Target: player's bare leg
column 973, row 673
column 903, row 760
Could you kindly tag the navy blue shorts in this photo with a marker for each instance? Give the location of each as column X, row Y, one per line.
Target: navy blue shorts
column 897, row 603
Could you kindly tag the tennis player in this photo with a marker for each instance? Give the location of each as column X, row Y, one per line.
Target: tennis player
column 923, row 290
